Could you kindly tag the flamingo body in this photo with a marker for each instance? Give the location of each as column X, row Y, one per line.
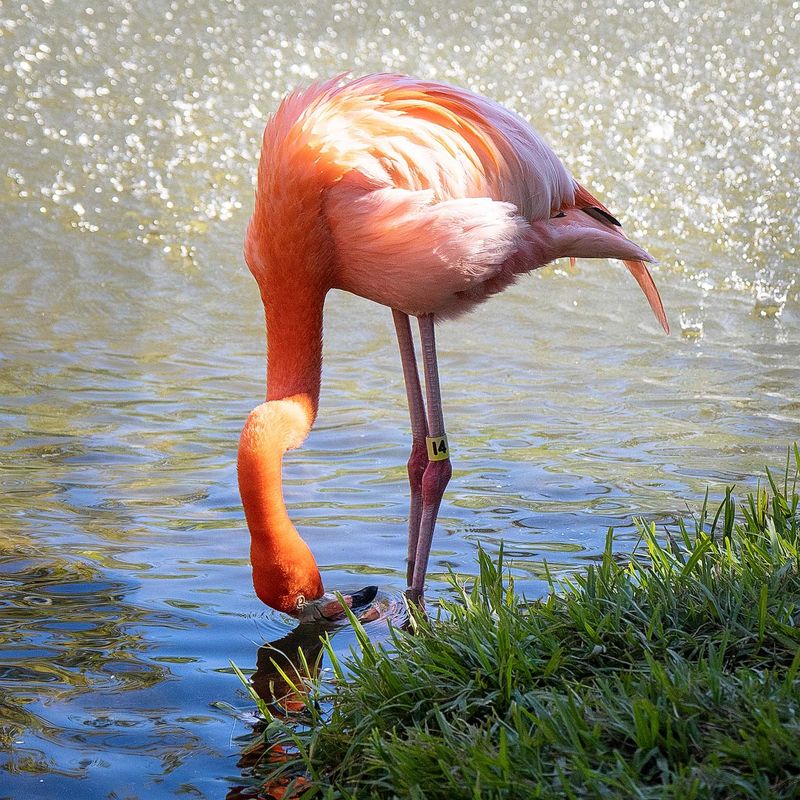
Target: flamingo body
column 416, row 195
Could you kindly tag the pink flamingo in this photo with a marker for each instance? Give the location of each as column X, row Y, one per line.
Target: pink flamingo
column 419, row 196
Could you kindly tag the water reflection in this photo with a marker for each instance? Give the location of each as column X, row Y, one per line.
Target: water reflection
column 282, row 667
column 285, row 668
column 131, row 340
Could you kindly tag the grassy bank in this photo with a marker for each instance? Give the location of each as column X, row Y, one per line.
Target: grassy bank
column 674, row 672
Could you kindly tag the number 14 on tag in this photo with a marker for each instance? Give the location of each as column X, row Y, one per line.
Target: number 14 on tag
column 437, row 448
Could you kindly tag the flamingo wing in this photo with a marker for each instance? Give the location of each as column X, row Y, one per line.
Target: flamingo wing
column 413, row 253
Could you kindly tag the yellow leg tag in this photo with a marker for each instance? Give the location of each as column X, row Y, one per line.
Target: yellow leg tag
column 437, row 448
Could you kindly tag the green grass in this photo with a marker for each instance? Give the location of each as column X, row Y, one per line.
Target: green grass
column 674, row 672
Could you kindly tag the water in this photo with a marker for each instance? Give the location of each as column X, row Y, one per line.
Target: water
column 131, row 341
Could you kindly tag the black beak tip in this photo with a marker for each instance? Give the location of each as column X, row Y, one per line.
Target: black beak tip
column 364, row 596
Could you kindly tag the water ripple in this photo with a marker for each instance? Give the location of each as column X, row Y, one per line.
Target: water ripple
column 131, row 340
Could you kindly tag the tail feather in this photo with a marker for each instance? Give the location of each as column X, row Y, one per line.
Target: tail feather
column 584, row 198
column 648, row 286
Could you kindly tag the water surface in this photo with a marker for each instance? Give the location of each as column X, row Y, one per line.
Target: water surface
column 131, row 341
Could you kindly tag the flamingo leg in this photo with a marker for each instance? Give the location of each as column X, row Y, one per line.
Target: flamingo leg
column 418, row 460
column 438, row 471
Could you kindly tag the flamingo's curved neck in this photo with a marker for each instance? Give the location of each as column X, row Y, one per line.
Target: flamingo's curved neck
column 283, row 567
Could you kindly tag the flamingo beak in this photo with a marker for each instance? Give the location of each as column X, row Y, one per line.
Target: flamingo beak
column 329, row 608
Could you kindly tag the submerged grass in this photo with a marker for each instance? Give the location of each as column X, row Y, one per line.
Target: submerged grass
column 674, row 672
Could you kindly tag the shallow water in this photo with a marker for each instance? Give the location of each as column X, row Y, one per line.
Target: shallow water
column 131, row 341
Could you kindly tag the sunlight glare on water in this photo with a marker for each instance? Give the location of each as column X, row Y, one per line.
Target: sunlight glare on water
column 131, row 341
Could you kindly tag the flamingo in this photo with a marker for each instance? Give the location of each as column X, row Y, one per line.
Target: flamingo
column 422, row 197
